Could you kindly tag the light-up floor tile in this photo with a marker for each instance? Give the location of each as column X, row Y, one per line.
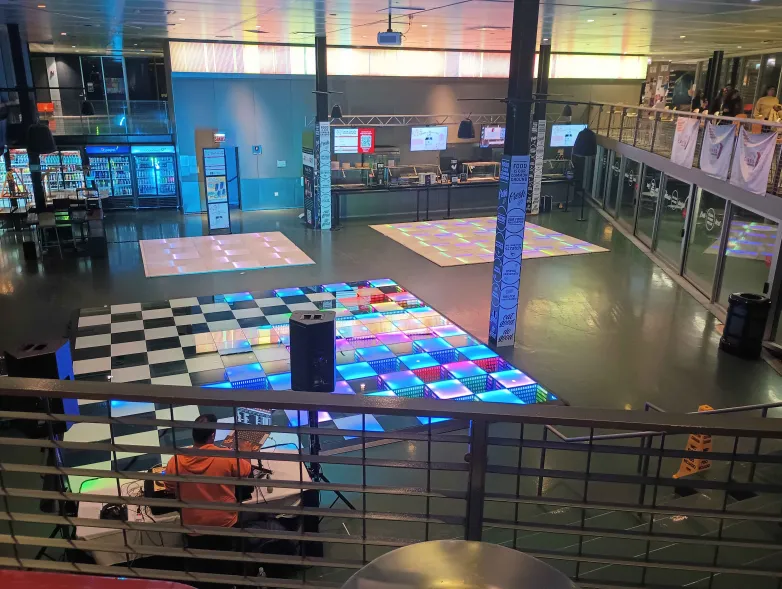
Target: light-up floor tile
column 219, row 253
column 457, row 242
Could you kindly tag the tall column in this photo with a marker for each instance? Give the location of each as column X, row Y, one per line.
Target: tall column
column 515, row 176
column 27, row 107
column 538, row 130
column 322, row 137
column 713, row 76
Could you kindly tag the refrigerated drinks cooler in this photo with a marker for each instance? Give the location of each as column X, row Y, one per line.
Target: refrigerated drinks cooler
column 110, row 166
column 155, row 172
column 62, row 170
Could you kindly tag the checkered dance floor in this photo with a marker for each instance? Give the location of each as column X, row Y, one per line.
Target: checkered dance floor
column 389, row 342
column 219, row 253
column 456, row 242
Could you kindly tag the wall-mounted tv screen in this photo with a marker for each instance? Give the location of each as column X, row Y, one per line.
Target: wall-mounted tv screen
column 428, row 138
column 492, row 136
column 565, row 135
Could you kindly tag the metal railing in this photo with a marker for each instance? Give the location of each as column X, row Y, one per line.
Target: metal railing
column 112, row 117
column 394, row 472
column 653, row 130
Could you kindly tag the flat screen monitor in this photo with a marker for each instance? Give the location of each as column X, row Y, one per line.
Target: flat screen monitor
column 345, row 140
column 565, row 135
column 428, row 138
column 492, row 136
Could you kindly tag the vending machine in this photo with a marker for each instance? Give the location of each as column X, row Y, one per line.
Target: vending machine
column 156, row 176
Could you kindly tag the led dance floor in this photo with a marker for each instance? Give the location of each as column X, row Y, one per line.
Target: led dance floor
column 752, row 241
column 456, row 242
column 219, row 253
column 389, row 343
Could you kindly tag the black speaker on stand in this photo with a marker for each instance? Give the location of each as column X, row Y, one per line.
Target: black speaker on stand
column 585, row 146
column 313, row 369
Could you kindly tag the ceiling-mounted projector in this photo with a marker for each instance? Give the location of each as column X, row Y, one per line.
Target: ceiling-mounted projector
column 389, row 38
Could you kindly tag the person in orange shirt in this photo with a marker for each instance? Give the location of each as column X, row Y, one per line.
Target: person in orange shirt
column 228, row 466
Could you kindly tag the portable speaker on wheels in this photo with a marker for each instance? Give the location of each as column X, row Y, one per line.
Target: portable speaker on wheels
column 50, row 359
column 313, row 351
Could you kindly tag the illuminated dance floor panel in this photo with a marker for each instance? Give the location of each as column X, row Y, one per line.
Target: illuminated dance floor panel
column 457, row 242
column 219, row 253
column 752, row 241
column 388, row 343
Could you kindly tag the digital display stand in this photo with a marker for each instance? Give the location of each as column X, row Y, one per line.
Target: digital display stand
column 216, row 181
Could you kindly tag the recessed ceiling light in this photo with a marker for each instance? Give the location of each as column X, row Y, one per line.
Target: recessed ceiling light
column 181, row 18
column 135, row 44
column 142, row 50
column 545, row 39
column 42, row 6
column 682, row 36
column 63, row 34
column 762, row 30
column 73, row 46
column 590, row 20
column 424, row 26
column 738, row 46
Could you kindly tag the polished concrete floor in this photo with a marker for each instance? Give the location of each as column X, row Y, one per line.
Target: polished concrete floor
column 604, row 330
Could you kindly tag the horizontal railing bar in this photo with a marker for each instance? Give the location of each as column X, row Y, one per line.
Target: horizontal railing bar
column 179, row 424
column 244, row 507
column 676, row 113
column 629, row 535
column 654, row 564
column 543, row 414
column 171, row 528
column 168, row 575
column 732, row 486
column 146, row 550
column 237, row 481
column 248, row 455
column 638, row 451
column 633, row 508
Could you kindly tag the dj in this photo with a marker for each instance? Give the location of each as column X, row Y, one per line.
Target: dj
column 228, row 466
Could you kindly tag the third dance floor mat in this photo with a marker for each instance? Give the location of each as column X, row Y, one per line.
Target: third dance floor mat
column 456, row 242
column 388, row 341
column 219, row 253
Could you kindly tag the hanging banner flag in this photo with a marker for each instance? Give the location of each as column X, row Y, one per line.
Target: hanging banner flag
column 684, row 141
column 717, row 149
column 696, row 443
column 752, row 163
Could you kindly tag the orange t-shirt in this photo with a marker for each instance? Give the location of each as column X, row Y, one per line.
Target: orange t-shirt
column 207, row 492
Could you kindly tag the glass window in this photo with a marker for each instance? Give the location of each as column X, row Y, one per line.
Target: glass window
column 650, row 195
column 708, row 217
column 771, row 71
column 673, row 219
column 626, row 209
column 749, row 81
column 614, row 179
column 601, row 166
column 748, row 255
column 114, row 78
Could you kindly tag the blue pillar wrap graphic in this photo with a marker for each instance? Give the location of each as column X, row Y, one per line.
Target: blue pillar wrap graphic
column 324, row 170
column 511, row 216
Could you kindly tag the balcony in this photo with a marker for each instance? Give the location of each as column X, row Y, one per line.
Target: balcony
column 114, row 117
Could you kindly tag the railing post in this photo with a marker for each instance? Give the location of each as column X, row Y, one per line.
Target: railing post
column 610, row 116
column 622, row 123
column 637, row 123
column 756, row 451
column 654, row 131
column 599, row 118
column 477, row 459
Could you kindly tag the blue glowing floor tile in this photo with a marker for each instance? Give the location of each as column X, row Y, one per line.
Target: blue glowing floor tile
column 435, row 344
column 296, row 417
column 381, row 394
column 246, row 376
column 217, row 385
column 288, row 292
column 382, row 282
column 447, row 330
column 500, row 396
column 343, row 388
column 401, row 380
column 354, row 331
column 512, row 379
column 385, row 365
column 369, row 317
column 451, row 390
column 356, row 370
column 464, row 369
column 373, row 353
column 476, row 352
column 280, row 382
column 414, row 361
column 426, row 420
column 336, row 287
column 237, row 296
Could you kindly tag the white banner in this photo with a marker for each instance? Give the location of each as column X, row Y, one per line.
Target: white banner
column 684, row 141
column 752, row 163
column 716, row 149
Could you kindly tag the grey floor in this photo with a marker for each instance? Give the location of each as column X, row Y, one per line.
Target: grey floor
column 601, row 330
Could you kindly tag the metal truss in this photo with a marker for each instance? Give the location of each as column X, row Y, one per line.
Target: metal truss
column 410, row 120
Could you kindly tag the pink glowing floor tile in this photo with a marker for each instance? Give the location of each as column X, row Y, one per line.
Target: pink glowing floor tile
column 194, row 255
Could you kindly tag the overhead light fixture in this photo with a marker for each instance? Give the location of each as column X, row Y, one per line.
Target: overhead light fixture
column 73, row 46
column 42, row 6
column 590, row 20
column 682, row 36
column 142, row 50
column 63, row 34
column 545, row 40
column 424, row 26
column 738, row 46
column 488, row 28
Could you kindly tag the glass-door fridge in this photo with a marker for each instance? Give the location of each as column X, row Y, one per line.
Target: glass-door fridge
column 155, row 174
column 20, row 166
column 110, row 168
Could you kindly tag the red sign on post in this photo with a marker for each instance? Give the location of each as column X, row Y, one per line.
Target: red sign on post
column 366, row 140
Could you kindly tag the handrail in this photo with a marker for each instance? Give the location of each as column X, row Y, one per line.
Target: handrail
column 540, row 414
column 692, row 114
column 648, row 405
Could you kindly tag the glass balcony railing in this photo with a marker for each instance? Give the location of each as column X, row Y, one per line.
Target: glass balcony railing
column 120, row 117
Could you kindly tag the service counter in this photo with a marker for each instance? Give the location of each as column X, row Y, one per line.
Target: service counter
column 423, row 202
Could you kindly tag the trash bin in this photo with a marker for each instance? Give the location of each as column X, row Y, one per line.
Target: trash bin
column 456, row 563
column 745, row 324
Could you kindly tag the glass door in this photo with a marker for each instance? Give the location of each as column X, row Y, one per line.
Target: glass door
column 72, row 172
column 647, row 207
column 628, row 196
column 601, row 165
column 51, row 169
column 614, row 183
column 165, row 175
column 20, row 165
column 708, row 216
column 99, row 167
column 121, row 178
column 146, row 176
column 673, row 221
